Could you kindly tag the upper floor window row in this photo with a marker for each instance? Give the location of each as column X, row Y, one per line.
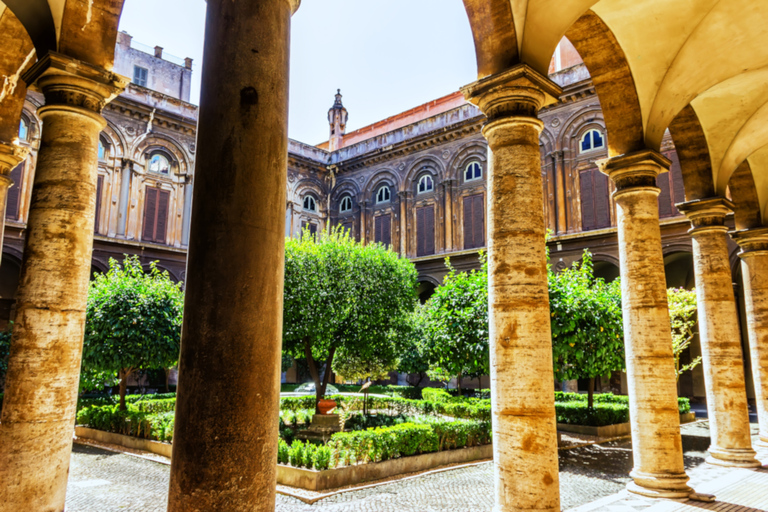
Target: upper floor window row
column 310, row 204
column 592, row 140
column 426, row 184
column 346, row 204
column 474, row 171
column 159, row 163
column 383, row 195
column 140, row 75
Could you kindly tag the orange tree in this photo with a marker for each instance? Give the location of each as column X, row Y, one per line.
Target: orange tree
column 133, row 321
column 587, row 331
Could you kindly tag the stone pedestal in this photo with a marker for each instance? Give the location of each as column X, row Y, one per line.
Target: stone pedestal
column 323, row 426
column 44, row 365
column 524, row 428
column 754, row 265
column 225, row 439
column 720, row 335
column 654, row 416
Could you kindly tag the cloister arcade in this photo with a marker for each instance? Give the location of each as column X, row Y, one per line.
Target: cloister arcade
column 697, row 68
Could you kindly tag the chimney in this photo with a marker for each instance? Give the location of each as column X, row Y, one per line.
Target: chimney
column 337, row 118
column 159, row 52
column 188, row 63
column 124, row 39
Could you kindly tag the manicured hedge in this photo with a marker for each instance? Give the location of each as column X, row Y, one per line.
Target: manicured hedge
column 577, row 413
column 306, row 455
column 435, row 395
column 133, row 422
column 684, row 404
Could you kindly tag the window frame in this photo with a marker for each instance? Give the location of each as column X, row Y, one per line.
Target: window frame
column 474, row 177
column 160, row 154
column 379, row 191
column 590, row 133
column 425, row 178
column 309, row 198
column 140, row 74
column 24, row 122
column 345, row 200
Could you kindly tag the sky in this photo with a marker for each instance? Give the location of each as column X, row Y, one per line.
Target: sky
column 385, row 56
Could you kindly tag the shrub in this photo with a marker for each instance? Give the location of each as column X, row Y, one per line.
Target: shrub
column 322, row 458
column 410, row 392
column 288, row 434
column 157, row 406
column 310, row 450
column 283, row 451
column 295, row 403
column 296, row 454
column 684, row 405
column 462, row 433
column 435, row 395
column 374, row 445
column 577, row 413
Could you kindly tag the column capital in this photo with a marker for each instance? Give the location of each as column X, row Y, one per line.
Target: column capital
column 11, row 155
column 518, row 91
column 295, row 6
column 707, row 214
column 404, row 195
column 751, row 241
column 635, row 170
column 74, row 85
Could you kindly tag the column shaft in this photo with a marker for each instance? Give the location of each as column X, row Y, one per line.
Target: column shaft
column 719, row 335
column 44, row 364
column 524, row 429
column 754, row 265
column 656, row 442
column 226, row 433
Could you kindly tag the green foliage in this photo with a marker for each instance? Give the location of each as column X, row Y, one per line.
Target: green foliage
column 415, row 357
column 411, row 392
column 587, row 332
column 375, row 445
column 283, row 452
column 322, row 458
column 129, row 422
column 133, row 320
column 345, row 304
column 609, row 409
column 682, row 319
column 435, row 395
column 457, row 325
column 296, row 454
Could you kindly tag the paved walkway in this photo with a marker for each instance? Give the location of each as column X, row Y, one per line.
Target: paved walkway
column 102, row 481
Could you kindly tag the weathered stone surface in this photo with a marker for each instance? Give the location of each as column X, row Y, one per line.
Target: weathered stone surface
column 654, row 414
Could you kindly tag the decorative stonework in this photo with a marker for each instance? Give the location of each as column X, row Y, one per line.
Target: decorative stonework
column 706, row 214
column 11, row 155
column 635, row 170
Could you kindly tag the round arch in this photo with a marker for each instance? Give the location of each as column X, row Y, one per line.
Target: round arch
column 474, row 151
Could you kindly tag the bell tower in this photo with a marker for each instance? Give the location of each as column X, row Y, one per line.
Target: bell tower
column 337, row 117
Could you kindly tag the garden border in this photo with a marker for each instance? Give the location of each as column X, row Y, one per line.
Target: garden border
column 135, row 443
column 617, row 430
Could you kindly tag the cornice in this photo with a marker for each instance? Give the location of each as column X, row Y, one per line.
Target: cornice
column 136, row 110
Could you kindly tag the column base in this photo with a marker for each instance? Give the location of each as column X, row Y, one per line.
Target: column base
column 669, row 486
column 733, row 457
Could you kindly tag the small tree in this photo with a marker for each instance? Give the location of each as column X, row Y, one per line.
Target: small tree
column 133, row 321
column 414, row 358
column 457, row 325
column 587, row 332
column 682, row 319
column 344, row 303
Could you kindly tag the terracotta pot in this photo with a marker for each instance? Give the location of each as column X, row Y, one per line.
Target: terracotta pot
column 325, row 406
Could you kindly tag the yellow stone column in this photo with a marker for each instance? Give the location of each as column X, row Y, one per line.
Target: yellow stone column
column 720, row 335
column 754, row 267
column 226, row 431
column 524, row 427
column 656, row 441
column 11, row 155
column 44, row 366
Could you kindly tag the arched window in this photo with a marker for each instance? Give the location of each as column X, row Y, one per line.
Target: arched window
column 426, row 184
column 474, row 171
column 383, row 195
column 309, row 204
column 346, row 204
column 23, row 129
column 102, row 151
column 159, row 163
column 592, row 140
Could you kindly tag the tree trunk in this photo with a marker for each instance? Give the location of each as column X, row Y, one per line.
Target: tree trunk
column 591, row 394
column 479, row 385
column 320, row 386
column 123, row 375
column 458, row 384
column 167, row 380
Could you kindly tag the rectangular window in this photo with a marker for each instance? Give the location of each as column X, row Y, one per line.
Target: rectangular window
column 425, row 231
column 156, row 203
column 99, row 189
column 14, row 193
column 309, row 225
column 383, row 230
column 474, row 221
column 140, row 75
column 595, row 200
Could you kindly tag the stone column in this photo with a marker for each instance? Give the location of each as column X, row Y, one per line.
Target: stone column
column 562, row 205
column 11, row 156
column 44, row 365
column 754, row 267
column 225, row 439
column 523, row 412
column 720, row 335
column 656, row 442
column 448, row 214
column 403, row 216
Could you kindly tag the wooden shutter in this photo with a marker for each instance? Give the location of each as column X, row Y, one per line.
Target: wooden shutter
column 99, row 189
column 312, row 228
column 425, row 231
column 14, row 193
column 469, row 239
column 347, row 226
column 478, row 220
column 163, row 200
column 386, row 230
column 150, row 214
column 665, row 198
column 587, row 188
column 602, row 200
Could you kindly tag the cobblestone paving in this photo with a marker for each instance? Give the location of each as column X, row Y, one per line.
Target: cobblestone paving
column 102, row 481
